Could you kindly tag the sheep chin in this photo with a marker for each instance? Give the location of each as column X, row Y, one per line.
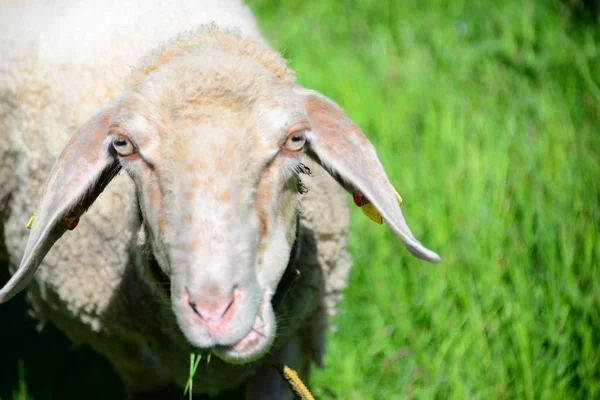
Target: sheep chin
column 255, row 344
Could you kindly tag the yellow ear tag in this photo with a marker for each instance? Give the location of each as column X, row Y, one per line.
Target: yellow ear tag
column 68, row 222
column 368, row 208
column 370, row 211
column 30, row 222
column 398, row 197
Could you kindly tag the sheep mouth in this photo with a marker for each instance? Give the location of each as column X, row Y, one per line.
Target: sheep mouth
column 252, row 339
column 253, row 345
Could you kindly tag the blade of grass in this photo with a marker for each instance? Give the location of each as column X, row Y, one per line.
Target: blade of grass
column 194, row 361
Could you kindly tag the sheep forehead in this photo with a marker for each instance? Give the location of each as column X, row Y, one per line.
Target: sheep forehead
column 228, row 150
column 211, row 88
column 211, row 110
column 210, row 133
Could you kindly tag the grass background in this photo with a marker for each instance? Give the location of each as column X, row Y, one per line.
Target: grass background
column 487, row 118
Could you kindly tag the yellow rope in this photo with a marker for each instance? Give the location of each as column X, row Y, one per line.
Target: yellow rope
column 296, row 383
column 292, row 379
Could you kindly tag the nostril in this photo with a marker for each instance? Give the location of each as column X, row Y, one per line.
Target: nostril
column 227, row 308
column 191, row 302
column 213, row 309
column 193, row 305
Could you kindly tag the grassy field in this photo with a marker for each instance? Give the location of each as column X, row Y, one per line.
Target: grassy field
column 487, row 118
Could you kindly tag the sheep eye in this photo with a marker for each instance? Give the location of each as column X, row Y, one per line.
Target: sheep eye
column 123, row 145
column 295, row 141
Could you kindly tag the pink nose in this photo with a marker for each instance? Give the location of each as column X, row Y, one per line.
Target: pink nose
column 213, row 309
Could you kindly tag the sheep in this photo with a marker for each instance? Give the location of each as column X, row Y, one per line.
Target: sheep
column 226, row 230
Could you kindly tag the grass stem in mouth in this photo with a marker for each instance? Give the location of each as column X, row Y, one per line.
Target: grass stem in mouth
column 194, row 361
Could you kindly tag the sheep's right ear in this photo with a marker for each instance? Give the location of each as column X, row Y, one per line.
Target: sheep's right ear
column 81, row 172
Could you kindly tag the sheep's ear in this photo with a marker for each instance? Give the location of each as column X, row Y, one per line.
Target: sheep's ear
column 81, row 172
column 338, row 144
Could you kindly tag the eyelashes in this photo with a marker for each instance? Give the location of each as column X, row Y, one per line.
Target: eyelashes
column 304, row 170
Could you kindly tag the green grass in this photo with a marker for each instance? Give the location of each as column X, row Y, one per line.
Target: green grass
column 486, row 116
column 194, row 361
column 21, row 392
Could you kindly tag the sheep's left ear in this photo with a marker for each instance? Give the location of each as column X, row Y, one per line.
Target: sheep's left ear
column 81, row 172
column 338, row 144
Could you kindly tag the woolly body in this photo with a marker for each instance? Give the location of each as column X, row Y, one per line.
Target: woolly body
column 99, row 283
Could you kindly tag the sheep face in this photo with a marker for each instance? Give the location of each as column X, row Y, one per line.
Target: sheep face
column 216, row 176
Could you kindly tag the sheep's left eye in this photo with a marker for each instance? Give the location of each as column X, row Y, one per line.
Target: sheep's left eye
column 295, row 141
column 123, row 145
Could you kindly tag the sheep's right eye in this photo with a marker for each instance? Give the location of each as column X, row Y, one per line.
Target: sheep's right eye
column 123, row 145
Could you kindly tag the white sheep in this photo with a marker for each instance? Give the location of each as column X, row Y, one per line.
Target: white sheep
column 198, row 242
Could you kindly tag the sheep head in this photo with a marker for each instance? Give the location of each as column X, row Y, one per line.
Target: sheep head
column 214, row 140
